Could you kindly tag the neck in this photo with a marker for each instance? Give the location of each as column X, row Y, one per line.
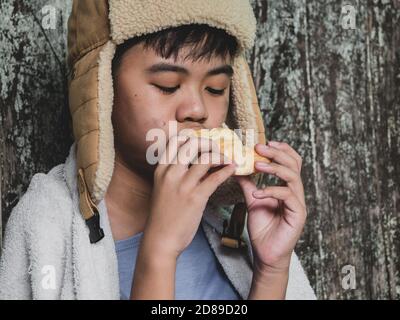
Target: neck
column 127, row 200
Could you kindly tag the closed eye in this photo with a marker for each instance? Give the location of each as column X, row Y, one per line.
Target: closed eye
column 171, row 90
column 216, row 92
column 167, row 90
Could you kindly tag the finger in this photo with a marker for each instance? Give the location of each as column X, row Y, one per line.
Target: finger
column 189, row 151
column 211, row 183
column 292, row 178
column 202, row 165
column 248, row 187
column 281, row 193
column 287, row 148
column 170, row 152
column 278, row 170
column 277, row 155
column 186, row 153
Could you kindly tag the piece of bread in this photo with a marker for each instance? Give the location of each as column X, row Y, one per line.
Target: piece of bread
column 231, row 146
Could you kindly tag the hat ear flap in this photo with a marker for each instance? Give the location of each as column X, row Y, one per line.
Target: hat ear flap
column 244, row 111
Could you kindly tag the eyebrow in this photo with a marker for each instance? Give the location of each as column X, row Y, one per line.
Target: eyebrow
column 166, row 67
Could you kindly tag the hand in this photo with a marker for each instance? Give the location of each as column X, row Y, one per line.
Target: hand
column 180, row 193
column 276, row 214
column 179, row 197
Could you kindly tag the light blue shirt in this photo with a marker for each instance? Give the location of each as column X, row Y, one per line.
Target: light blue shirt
column 199, row 275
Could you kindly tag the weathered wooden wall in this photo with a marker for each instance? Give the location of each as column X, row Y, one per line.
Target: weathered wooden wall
column 332, row 93
column 34, row 133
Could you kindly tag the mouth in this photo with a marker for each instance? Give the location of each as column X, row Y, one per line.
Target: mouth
column 190, row 131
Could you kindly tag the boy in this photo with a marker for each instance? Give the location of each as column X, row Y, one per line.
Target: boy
column 148, row 231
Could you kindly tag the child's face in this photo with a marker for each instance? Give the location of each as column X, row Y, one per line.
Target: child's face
column 195, row 99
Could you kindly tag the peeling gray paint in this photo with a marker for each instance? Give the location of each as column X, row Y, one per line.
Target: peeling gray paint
column 333, row 95
column 34, row 133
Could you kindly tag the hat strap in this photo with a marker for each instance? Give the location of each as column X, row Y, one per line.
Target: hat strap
column 232, row 234
column 89, row 210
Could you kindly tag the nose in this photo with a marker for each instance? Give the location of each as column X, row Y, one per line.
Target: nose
column 192, row 108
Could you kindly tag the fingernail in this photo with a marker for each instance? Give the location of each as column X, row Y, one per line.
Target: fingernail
column 261, row 164
column 273, row 143
column 264, row 147
column 258, row 193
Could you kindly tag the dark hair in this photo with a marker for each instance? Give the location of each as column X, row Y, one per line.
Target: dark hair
column 206, row 42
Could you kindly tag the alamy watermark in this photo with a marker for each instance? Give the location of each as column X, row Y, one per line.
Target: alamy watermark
column 349, row 278
column 48, row 277
column 348, row 17
column 49, row 17
column 231, row 142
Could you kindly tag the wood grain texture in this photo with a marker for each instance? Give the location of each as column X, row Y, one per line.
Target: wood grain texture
column 34, row 133
column 331, row 93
